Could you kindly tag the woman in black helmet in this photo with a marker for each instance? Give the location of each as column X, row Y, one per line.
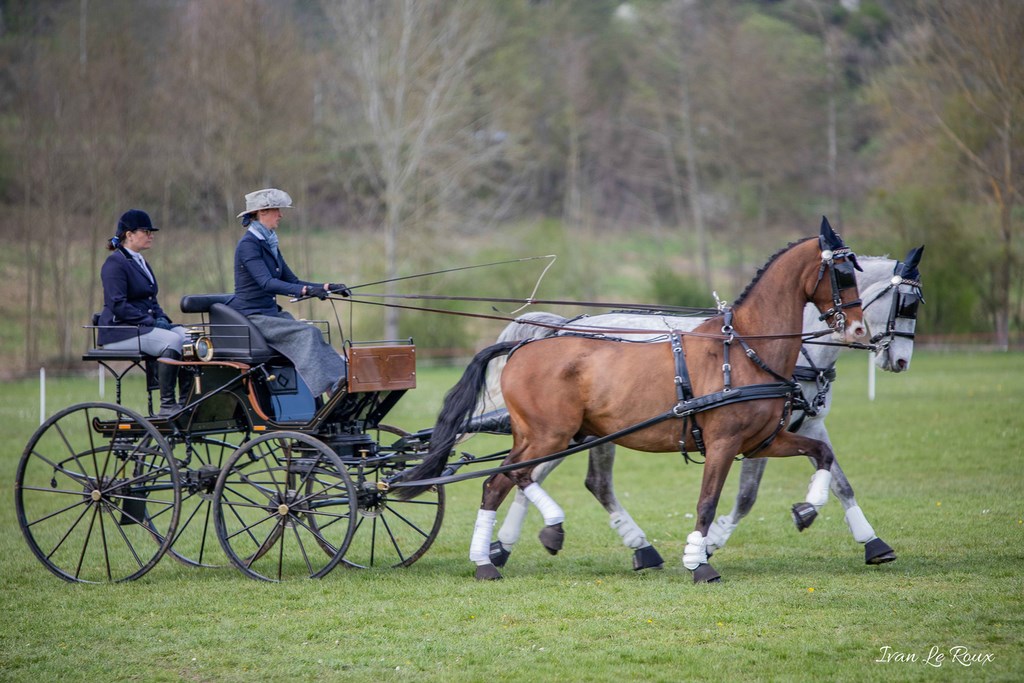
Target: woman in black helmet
column 132, row 319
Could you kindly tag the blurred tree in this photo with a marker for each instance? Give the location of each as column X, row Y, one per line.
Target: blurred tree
column 80, row 144
column 238, row 116
column 662, row 68
column 410, row 64
column 954, row 97
column 760, row 83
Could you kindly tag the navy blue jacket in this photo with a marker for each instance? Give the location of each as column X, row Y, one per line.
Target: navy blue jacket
column 129, row 299
column 260, row 277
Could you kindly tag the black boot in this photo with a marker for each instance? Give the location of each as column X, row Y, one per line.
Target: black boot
column 184, row 387
column 167, row 375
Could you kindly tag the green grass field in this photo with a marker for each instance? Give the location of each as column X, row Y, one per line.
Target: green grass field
column 937, row 461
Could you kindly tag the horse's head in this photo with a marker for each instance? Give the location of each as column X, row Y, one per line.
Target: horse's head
column 835, row 291
column 891, row 313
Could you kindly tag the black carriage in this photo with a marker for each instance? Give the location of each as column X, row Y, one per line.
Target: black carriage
column 290, row 485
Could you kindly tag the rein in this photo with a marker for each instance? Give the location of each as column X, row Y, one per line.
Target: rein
column 585, row 330
column 685, row 310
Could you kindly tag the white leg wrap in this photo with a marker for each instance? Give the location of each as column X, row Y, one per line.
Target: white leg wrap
column 720, row 531
column 632, row 535
column 512, row 527
column 817, row 492
column 696, row 551
column 859, row 527
column 480, row 547
column 546, row 504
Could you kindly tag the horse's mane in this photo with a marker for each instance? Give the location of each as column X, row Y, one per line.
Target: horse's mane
column 766, row 266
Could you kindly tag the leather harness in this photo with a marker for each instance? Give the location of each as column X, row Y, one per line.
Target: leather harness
column 688, row 405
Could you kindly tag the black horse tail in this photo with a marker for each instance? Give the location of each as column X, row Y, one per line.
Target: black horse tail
column 459, row 405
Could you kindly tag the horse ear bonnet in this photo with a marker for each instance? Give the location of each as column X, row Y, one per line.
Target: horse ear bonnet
column 908, row 269
column 830, row 239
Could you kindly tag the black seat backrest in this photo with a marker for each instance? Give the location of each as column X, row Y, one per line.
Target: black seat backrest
column 200, row 303
column 234, row 337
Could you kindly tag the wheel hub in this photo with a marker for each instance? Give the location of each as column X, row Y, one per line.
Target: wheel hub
column 287, row 507
column 202, row 480
column 372, row 500
column 96, row 490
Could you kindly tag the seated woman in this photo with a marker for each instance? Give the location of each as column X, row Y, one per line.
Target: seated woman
column 132, row 319
column 261, row 273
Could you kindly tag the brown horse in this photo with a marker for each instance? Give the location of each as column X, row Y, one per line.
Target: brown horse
column 570, row 387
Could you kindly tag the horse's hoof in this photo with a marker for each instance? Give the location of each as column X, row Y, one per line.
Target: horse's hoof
column 487, row 572
column 877, row 551
column 499, row 556
column 804, row 515
column 647, row 558
column 705, row 573
column 552, row 537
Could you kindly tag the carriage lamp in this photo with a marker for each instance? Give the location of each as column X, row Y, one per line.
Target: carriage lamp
column 198, row 346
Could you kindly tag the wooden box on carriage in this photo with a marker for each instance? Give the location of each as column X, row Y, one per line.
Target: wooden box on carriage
column 381, row 368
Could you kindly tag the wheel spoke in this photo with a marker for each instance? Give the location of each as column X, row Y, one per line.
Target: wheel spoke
column 294, row 479
column 87, row 491
column 67, row 534
column 399, row 532
column 110, row 511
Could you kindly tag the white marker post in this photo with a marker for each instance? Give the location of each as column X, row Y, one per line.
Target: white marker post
column 871, row 376
column 42, row 395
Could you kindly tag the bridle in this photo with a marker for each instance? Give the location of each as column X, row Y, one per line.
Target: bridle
column 841, row 264
column 905, row 301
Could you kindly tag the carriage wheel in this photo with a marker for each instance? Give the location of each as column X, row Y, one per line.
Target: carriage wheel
column 200, row 461
column 278, row 498
column 392, row 532
column 87, row 488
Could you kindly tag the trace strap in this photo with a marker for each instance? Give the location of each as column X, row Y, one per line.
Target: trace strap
column 684, row 396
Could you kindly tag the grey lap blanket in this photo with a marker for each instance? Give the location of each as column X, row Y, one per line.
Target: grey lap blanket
column 316, row 361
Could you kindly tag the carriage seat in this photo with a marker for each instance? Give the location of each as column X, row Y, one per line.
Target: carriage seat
column 99, row 353
column 234, row 337
column 134, row 359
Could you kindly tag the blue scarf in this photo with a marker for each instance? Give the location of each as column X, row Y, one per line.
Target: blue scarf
column 266, row 234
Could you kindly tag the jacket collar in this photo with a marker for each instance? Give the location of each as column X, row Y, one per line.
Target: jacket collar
column 265, row 247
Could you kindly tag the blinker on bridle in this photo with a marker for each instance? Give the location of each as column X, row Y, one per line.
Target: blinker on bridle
column 903, row 307
column 842, row 265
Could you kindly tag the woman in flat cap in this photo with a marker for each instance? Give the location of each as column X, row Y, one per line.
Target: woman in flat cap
column 261, row 274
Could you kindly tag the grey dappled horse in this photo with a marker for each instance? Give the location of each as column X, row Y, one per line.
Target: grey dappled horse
column 890, row 291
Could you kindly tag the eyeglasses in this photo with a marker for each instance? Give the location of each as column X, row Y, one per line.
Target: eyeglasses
column 143, row 230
